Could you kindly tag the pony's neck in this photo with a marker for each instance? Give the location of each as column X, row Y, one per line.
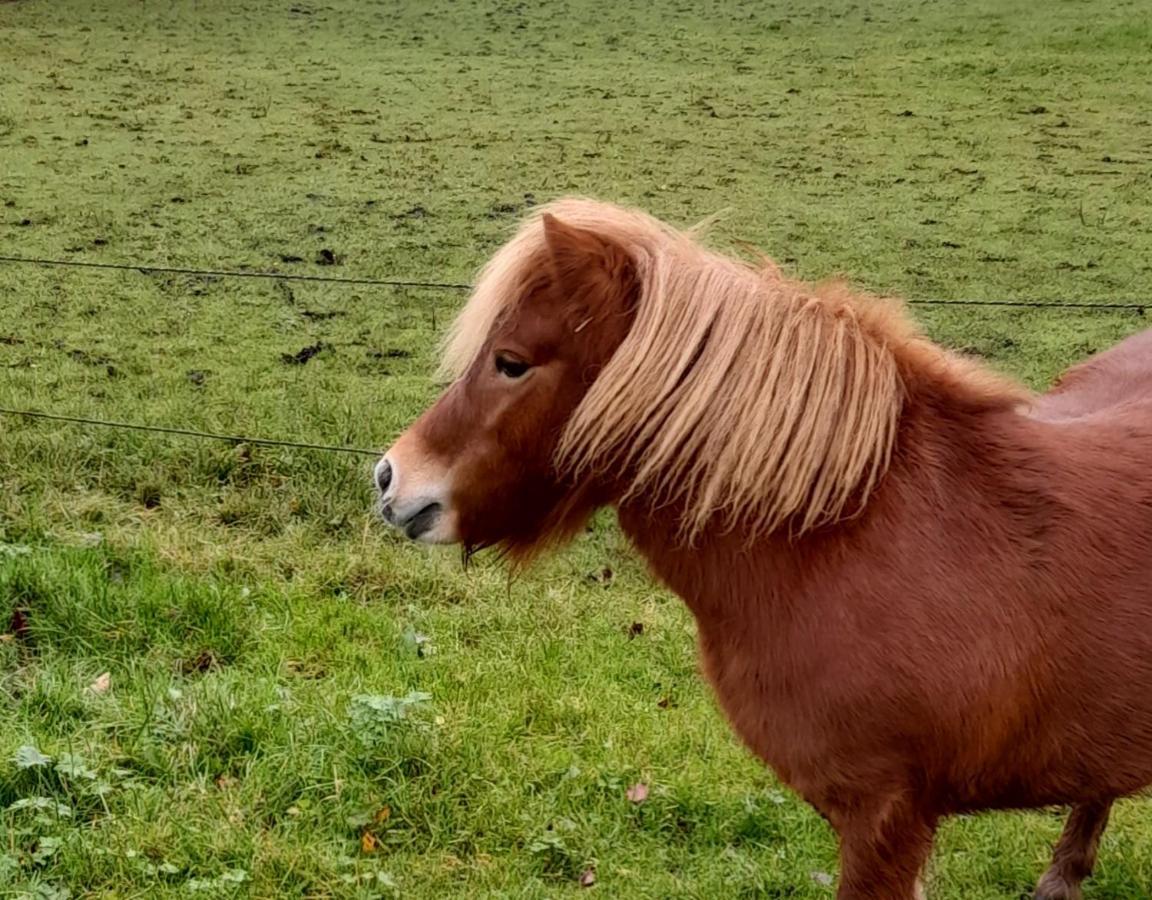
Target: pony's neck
column 938, row 379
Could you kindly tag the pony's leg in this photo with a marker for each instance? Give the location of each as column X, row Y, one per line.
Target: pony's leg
column 1075, row 853
column 881, row 858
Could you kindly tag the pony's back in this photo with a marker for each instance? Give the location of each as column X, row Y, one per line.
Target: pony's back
column 1120, row 375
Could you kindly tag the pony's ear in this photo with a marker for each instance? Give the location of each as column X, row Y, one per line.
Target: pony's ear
column 581, row 260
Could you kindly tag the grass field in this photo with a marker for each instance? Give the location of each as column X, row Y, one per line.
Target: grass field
column 218, row 676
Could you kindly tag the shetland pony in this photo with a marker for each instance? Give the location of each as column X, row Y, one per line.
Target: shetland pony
column 919, row 589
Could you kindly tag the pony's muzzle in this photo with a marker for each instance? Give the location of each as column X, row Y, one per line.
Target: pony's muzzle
column 418, row 509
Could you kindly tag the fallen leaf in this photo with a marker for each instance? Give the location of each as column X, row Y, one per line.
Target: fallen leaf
column 638, row 793
column 368, row 842
column 588, row 877
column 382, row 815
column 101, row 684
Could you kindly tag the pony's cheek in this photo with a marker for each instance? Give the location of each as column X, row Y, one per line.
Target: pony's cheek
column 493, row 504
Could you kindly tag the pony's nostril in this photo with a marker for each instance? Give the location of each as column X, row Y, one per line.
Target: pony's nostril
column 383, row 476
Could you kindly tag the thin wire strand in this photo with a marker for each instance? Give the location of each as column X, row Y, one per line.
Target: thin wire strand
column 1038, row 304
column 144, row 268
column 184, row 432
column 273, row 442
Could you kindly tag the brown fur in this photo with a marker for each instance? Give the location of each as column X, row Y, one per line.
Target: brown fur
column 976, row 635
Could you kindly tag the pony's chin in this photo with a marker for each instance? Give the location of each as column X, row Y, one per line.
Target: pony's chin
column 436, row 538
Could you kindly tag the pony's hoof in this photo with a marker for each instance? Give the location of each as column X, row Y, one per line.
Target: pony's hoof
column 1054, row 886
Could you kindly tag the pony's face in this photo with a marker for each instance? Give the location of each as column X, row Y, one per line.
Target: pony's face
column 477, row 467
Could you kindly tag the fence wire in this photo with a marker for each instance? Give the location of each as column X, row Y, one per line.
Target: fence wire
column 151, row 269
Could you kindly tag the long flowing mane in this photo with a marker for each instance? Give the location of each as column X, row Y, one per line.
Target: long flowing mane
column 737, row 394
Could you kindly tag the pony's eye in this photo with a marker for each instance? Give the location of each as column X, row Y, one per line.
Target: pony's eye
column 510, row 367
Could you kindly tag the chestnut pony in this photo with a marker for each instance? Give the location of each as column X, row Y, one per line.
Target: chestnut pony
column 919, row 589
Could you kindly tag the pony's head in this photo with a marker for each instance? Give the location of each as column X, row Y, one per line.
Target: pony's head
column 608, row 358
column 479, row 466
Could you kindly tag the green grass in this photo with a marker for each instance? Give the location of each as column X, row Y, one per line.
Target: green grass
column 250, row 616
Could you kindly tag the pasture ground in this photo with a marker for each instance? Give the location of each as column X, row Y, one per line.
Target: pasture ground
column 295, row 702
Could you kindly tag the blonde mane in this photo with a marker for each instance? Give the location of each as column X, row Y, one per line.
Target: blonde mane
column 738, row 395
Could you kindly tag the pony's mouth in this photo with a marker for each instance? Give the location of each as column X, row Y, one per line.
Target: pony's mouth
column 423, row 521
column 414, row 525
column 429, row 523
